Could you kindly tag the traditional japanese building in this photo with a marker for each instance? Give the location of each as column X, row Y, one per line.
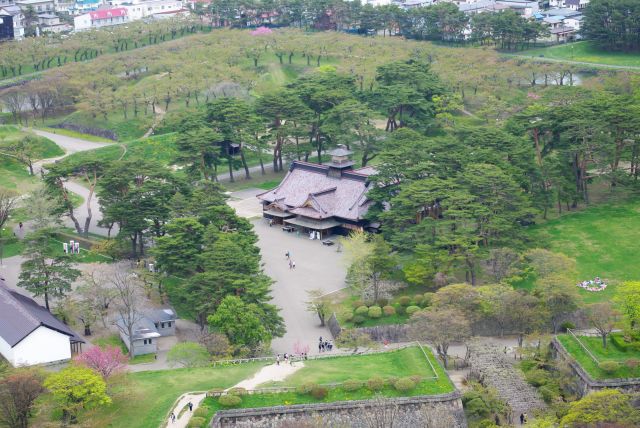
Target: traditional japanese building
column 325, row 198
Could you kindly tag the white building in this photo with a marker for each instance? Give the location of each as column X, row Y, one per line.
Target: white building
column 11, row 25
column 30, row 335
column 40, row 6
column 101, row 18
column 144, row 9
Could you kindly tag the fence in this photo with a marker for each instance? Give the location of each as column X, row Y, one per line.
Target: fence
column 583, row 347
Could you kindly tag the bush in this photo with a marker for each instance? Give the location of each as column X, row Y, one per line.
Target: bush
column 230, row 401
column 356, row 304
column 351, row 385
column 608, row 366
column 427, row 298
column 375, row 312
column 412, row 309
column 537, row 377
column 404, row 384
column 404, row 301
column 400, row 310
column 347, row 316
column 319, row 392
column 382, row 302
column 375, row 384
column 237, row 391
column 362, row 310
column 391, row 380
column 197, row 422
column 549, row 393
column 418, row 299
column 201, row 412
column 389, row 310
column 632, row 363
column 416, row 378
column 618, row 343
column 305, row 388
column 358, row 319
column 567, row 324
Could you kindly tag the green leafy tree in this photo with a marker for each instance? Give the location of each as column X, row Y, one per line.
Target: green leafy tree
column 628, row 298
column 76, row 388
column 606, row 407
column 43, row 273
column 177, row 251
column 242, row 323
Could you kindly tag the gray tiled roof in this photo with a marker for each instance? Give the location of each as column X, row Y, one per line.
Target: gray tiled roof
column 156, row 315
column 21, row 315
column 310, row 191
column 142, row 329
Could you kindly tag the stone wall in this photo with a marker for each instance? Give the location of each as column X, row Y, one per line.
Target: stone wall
column 334, row 326
column 439, row 411
column 586, row 384
column 98, row 132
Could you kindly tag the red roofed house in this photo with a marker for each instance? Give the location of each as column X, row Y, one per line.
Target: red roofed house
column 101, row 18
column 330, row 198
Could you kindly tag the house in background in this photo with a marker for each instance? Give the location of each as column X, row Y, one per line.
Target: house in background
column 11, row 25
column 152, row 325
column 30, row 335
column 101, row 18
column 39, row 6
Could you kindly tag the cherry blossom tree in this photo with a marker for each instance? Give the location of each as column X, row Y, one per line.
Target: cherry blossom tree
column 106, row 361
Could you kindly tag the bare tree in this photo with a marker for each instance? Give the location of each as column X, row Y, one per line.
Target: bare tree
column 96, row 288
column 318, row 304
column 14, row 100
column 18, row 393
column 8, row 202
column 440, row 327
column 127, row 302
column 603, row 317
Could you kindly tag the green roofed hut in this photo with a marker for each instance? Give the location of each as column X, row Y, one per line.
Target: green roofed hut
column 324, row 198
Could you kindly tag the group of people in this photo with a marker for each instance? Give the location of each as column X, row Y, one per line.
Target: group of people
column 288, row 358
column 292, row 263
column 324, row 345
column 593, row 285
column 172, row 416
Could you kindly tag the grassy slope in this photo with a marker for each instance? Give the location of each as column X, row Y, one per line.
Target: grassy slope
column 604, row 240
column 594, row 344
column 14, row 175
column 145, row 398
column 586, row 52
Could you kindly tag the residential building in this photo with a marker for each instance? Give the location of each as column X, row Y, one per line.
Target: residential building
column 30, row 334
column 140, row 10
column 324, row 199
column 83, row 6
column 50, row 23
column 11, row 23
column 153, row 324
column 6, row 3
column 101, row 18
column 570, row 4
column 39, row 6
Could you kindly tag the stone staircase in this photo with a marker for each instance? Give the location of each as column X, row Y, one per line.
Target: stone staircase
column 495, row 369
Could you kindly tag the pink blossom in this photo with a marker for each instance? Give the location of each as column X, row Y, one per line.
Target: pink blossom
column 299, row 348
column 105, row 361
column 261, row 31
column 533, row 96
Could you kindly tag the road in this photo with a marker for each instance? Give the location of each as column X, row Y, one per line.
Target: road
column 73, row 145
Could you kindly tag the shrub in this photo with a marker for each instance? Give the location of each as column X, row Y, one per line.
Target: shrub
column 351, row 385
column 618, row 343
column 229, row 400
column 608, row 366
column 404, row 384
column 375, row 312
column 400, row 310
column 549, row 393
column 375, row 384
column 567, row 324
column 201, row 412
column 404, row 301
column 382, row 302
column 427, row 298
column 537, row 377
column 197, row 422
column 391, row 380
column 362, row 310
column 347, row 316
column 319, row 392
column 358, row 319
column 216, row 392
column 416, row 378
column 305, row 388
column 412, row 309
column 418, row 299
column 356, row 304
column 632, row 363
column 389, row 310
column 237, row 391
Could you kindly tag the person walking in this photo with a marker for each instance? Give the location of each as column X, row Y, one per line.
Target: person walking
column 290, row 264
column 278, row 360
column 521, row 418
column 293, row 264
column 190, row 406
column 172, row 417
column 319, row 346
column 287, row 255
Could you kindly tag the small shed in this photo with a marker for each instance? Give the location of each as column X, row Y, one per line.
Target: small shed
column 164, row 320
column 145, row 336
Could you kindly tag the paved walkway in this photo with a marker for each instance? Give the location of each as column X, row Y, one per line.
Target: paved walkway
column 317, row 267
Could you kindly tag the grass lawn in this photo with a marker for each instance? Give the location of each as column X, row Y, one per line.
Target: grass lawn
column 400, row 363
column 125, row 129
column 144, row 399
column 612, row 353
column 604, row 240
column 15, row 175
column 11, row 247
column 586, row 52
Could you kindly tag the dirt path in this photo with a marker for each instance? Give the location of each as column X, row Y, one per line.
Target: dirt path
column 157, row 119
column 567, row 61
